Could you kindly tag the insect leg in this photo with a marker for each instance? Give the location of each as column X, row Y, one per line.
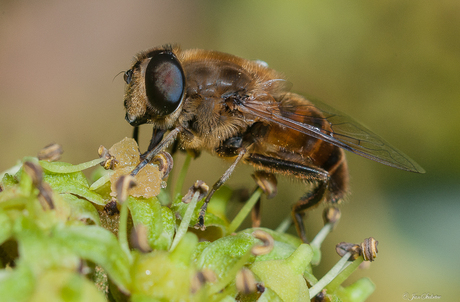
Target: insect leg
column 268, row 183
column 147, row 156
column 136, row 134
column 256, row 214
column 305, row 172
column 217, row 185
column 157, row 136
column 308, row 201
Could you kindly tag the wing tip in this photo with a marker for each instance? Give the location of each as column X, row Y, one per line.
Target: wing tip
column 417, row 169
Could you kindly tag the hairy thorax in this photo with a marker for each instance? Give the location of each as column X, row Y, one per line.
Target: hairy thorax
column 210, row 112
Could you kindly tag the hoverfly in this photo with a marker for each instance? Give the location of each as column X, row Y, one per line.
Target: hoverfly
column 242, row 110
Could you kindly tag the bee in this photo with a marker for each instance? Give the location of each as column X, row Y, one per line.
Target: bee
column 244, row 111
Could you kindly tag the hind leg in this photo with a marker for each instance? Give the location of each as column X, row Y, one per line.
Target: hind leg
column 308, row 173
column 307, row 202
column 332, row 189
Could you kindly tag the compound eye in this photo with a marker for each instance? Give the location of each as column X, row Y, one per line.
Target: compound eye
column 164, row 83
column 128, row 76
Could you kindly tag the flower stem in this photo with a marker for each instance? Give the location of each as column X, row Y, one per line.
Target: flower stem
column 58, row 167
column 182, row 174
column 284, row 225
column 333, row 272
column 322, row 234
column 123, row 231
column 343, row 275
column 244, row 211
column 183, row 227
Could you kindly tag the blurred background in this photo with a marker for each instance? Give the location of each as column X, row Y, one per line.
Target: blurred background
column 393, row 65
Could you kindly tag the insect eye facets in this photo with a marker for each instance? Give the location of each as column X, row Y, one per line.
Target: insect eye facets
column 164, row 83
column 128, row 76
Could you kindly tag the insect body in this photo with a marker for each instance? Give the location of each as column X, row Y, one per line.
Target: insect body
column 243, row 110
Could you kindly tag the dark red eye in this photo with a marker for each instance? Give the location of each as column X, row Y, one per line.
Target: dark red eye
column 164, row 83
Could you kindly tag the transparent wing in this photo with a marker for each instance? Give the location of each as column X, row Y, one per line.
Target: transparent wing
column 321, row 121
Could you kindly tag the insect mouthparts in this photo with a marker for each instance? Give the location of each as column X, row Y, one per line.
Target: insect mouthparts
column 132, row 120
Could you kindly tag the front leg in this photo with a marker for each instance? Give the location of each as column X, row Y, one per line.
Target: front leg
column 136, row 134
column 147, row 156
column 157, row 136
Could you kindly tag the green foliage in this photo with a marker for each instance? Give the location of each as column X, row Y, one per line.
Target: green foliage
column 71, row 252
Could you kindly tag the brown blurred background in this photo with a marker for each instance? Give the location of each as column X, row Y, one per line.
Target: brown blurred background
column 393, row 65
